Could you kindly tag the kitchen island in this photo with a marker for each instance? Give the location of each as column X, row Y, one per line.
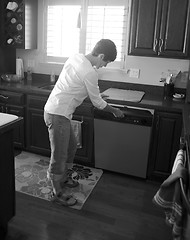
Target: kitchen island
column 8, row 122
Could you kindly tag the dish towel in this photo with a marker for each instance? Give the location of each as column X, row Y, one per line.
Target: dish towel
column 77, row 128
column 169, row 198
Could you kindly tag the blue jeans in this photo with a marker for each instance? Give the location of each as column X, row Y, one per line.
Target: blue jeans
column 63, row 145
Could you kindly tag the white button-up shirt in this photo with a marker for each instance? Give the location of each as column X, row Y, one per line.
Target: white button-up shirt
column 78, row 79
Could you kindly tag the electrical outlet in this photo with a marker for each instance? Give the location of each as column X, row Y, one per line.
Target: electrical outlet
column 134, row 73
column 184, row 77
column 30, row 63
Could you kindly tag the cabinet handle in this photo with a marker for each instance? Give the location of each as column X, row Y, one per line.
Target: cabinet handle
column 155, row 44
column 157, row 123
column 160, row 46
column 1, row 108
column 6, row 109
column 4, row 97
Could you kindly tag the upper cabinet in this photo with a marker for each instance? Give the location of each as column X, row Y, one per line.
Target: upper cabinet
column 160, row 28
column 19, row 28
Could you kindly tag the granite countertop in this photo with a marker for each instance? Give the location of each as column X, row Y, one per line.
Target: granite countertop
column 23, row 87
column 152, row 99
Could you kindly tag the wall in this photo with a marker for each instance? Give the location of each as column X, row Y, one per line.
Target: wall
column 150, row 68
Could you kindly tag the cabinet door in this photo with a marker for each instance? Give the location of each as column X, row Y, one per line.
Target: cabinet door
column 174, row 32
column 7, row 178
column 165, row 143
column 160, row 28
column 144, row 27
column 84, row 155
column 37, row 132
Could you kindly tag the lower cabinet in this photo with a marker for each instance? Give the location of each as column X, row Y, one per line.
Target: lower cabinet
column 84, row 155
column 165, row 143
column 37, row 139
column 7, row 180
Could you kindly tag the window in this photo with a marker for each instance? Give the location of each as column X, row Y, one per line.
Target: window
column 73, row 26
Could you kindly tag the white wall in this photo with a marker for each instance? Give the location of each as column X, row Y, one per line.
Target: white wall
column 150, row 68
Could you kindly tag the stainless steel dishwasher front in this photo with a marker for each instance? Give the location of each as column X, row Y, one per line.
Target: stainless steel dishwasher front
column 122, row 145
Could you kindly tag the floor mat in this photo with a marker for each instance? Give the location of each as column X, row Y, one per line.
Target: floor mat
column 30, row 178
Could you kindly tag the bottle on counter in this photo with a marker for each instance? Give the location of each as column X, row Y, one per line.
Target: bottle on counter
column 29, row 75
column 52, row 77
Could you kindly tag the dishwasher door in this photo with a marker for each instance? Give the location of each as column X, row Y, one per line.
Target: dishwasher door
column 122, row 147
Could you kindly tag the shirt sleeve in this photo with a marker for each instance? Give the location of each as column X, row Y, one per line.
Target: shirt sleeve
column 91, row 83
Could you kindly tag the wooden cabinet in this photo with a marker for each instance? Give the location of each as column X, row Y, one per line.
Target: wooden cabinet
column 160, row 28
column 36, row 131
column 7, row 175
column 7, row 60
column 165, row 143
column 7, row 55
column 85, row 155
column 13, row 103
column 19, row 23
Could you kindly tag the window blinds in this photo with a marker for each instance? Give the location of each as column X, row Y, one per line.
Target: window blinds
column 98, row 19
column 106, row 22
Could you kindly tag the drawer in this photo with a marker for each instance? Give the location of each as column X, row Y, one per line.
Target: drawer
column 11, row 98
column 36, row 101
column 85, row 109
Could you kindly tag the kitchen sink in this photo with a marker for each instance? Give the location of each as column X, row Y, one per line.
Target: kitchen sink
column 48, row 87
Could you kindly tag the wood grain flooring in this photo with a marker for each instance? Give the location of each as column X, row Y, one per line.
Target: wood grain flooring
column 119, row 208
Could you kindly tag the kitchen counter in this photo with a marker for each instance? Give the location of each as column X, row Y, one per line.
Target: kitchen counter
column 24, row 87
column 152, row 99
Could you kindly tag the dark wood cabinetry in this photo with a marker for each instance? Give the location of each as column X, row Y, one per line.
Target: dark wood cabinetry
column 160, row 28
column 85, row 154
column 19, row 23
column 7, row 55
column 14, row 103
column 36, row 130
column 165, row 143
column 7, row 175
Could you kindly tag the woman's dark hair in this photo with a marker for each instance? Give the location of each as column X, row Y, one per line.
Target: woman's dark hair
column 107, row 47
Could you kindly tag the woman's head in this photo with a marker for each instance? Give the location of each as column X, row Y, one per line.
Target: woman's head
column 106, row 47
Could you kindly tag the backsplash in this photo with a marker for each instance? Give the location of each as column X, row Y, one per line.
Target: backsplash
column 150, row 69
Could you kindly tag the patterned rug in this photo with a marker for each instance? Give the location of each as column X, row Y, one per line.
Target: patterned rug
column 30, row 178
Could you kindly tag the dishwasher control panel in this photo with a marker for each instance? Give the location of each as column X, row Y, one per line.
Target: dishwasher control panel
column 133, row 115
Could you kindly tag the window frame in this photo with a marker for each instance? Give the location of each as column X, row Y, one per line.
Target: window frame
column 82, row 48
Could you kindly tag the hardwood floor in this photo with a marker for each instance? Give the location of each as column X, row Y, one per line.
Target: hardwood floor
column 119, row 208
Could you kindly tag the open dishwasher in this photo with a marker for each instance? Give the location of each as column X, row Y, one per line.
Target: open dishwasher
column 122, row 144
